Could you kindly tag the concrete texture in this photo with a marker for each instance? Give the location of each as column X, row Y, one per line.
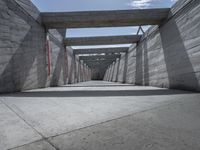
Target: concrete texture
column 100, row 115
column 110, row 18
column 100, row 57
column 102, row 40
column 23, row 50
column 168, row 55
column 13, row 130
column 40, row 145
column 101, row 50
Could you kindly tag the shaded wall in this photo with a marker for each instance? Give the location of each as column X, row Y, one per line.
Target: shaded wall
column 169, row 55
column 98, row 73
column 23, row 50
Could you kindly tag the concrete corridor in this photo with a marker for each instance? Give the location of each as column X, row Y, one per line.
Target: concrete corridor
column 98, row 115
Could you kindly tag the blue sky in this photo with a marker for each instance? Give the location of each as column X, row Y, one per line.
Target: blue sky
column 89, row 5
column 86, row 5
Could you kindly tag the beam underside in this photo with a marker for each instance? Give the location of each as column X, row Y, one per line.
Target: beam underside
column 101, row 50
column 102, row 40
column 115, row 18
column 102, row 57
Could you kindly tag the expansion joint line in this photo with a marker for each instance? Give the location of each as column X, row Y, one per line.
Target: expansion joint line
column 93, row 125
column 125, row 116
column 27, row 123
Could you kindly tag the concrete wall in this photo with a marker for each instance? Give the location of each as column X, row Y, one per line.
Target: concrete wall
column 23, row 52
column 98, row 73
column 169, row 55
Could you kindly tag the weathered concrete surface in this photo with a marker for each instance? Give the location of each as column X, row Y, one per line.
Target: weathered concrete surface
column 101, row 115
column 169, row 127
column 113, row 18
column 101, row 50
column 102, row 40
column 100, row 57
column 168, row 55
column 40, row 145
column 13, row 130
column 23, row 50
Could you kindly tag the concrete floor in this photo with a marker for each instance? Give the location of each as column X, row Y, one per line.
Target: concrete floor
column 100, row 116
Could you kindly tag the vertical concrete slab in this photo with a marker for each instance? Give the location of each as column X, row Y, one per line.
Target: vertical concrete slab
column 118, row 65
column 125, row 67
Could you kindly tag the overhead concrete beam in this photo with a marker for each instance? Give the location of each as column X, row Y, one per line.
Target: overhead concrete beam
column 99, row 57
column 99, row 64
column 101, row 50
column 99, row 60
column 101, row 67
column 113, row 18
column 102, row 40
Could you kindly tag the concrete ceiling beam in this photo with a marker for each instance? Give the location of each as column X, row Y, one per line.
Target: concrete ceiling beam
column 112, row 18
column 102, row 40
column 99, row 57
column 101, row 50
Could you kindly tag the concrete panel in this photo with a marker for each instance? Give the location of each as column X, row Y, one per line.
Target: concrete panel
column 23, row 49
column 169, row 127
column 104, row 18
column 55, row 111
column 121, row 68
column 102, row 40
column 41, row 145
column 169, row 55
column 101, row 50
column 99, row 57
column 13, row 130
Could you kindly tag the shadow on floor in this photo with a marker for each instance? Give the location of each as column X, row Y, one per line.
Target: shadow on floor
column 98, row 93
column 181, row 73
column 95, row 85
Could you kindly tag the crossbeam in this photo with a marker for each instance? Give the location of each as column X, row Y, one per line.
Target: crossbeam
column 101, row 50
column 94, row 61
column 113, row 18
column 99, row 57
column 99, row 64
column 102, row 40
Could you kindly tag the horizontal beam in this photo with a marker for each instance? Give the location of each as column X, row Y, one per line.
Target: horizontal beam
column 102, row 40
column 101, row 50
column 99, row 65
column 99, row 61
column 99, row 57
column 113, row 18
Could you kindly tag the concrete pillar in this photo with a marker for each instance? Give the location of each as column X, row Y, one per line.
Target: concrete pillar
column 81, row 74
column 125, row 67
column 66, row 66
column 113, row 72
column 118, row 64
column 85, row 76
column 78, row 71
column 75, row 71
column 106, row 75
column 88, row 74
column 109, row 71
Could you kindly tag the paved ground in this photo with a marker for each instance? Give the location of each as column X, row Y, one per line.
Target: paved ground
column 100, row 116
